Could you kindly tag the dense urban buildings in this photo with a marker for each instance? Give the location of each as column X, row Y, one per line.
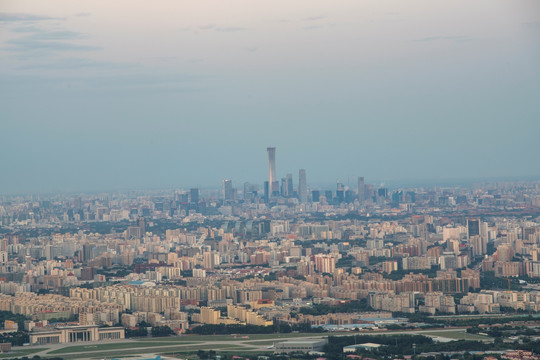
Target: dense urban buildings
column 103, row 264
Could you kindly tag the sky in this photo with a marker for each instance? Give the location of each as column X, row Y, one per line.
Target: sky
column 108, row 95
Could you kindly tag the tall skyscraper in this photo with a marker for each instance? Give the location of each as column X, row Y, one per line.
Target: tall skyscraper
column 290, row 190
column 315, row 195
column 227, row 190
column 250, row 191
column 194, row 195
column 477, row 236
column 284, row 188
column 142, row 224
column 340, row 196
column 272, row 183
column 361, row 190
column 266, row 191
column 328, row 196
column 473, row 227
column 302, row 186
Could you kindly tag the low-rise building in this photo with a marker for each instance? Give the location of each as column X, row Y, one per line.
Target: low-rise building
column 74, row 334
column 304, row 346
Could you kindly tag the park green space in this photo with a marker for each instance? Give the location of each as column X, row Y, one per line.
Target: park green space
column 19, row 353
column 113, row 346
column 141, row 351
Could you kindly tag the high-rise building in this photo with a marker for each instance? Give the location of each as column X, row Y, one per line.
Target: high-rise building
column 209, row 315
column 477, row 236
column 266, row 191
column 228, row 190
column 340, row 196
column 369, row 192
column 194, row 195
column 328, row 196
column 290, row 190
column 302, row 186
column 250, row 191
column 272, row 183
column 142, row 224
column 473, row 227
column 349, row 196
column 315, row 195
column 361, row 190
column 325, row 263
column 382, row 192
column 478, row 245
column 284, row 188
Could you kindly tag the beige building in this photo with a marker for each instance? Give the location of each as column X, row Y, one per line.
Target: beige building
column 74, row 334
column 129, row 320
column 209, row 315
column 247, row 316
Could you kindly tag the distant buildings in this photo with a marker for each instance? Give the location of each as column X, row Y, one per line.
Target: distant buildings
column 228, row 191
column 272, row 183
column 162, row 257
column 302, row 186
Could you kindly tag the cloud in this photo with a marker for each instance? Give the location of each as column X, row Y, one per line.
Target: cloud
column 75, row 64
column 220, row 28
column 26, row 29
column 82, row 14
column 315, row 18
column 56, row 35
column 444, row 38
column 30, row 44
column 230, row 29
column 250, row 49
column 25, row 17
column 39, row 42
column 313, row 27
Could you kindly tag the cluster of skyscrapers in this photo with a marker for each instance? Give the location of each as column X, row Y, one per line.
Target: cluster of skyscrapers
column 274, row 189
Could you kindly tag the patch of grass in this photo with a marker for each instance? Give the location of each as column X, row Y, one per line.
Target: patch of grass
column 160, row 349
column 101, row 347
column 19, row 353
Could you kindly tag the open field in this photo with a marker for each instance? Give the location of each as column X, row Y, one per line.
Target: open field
column 159, row 350
column 114, row 346
column 190, row 344
column 22, row 352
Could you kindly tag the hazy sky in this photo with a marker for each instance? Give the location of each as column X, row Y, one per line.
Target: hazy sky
column 100, row 95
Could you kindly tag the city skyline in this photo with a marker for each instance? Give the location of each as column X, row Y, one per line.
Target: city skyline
column 185, row 94
column 227, row 185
